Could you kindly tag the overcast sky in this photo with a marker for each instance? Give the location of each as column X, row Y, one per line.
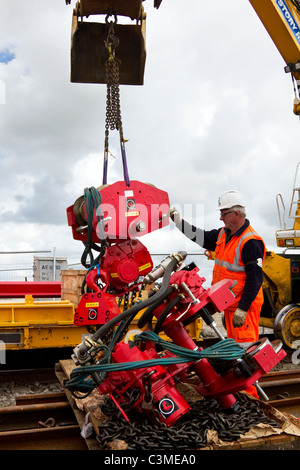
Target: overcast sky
column 214, row 113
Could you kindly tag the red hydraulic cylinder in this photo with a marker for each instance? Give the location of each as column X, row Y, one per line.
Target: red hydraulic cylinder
column 204, row 370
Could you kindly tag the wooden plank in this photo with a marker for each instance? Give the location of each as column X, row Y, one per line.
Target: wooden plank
column 63, row 371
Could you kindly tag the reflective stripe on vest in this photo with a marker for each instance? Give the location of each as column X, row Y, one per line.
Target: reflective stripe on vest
column 235, row 266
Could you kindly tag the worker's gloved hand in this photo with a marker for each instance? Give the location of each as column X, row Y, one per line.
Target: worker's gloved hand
column 239, row 318
column 174, row 214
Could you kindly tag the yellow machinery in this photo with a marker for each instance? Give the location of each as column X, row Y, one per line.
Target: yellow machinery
column 281, row 19
column 290, row 238
column 32, row 324
column 29, row 323
column 282, row 276
column 281, row 308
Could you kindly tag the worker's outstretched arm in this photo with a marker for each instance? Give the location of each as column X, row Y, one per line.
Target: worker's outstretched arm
column 203, row 238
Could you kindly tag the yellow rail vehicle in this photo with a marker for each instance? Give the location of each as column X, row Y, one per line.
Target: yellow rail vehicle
column 33, row 324
column 282, row 274
column 281, row 308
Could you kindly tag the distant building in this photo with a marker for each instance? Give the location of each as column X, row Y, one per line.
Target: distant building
column 44, row 268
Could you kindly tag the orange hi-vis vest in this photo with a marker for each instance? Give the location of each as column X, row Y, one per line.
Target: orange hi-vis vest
column 229, row 264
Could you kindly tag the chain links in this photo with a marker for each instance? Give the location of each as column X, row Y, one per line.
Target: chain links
column 113, row 120
column 112, row 70
column 113, row 110
column 189, row 433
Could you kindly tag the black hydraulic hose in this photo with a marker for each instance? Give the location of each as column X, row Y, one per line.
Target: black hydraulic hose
column 148, row 314
column 83, row 349
column 165, row 313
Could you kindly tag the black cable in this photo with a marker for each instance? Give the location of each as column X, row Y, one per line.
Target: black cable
column 133, row 311
column 148, row 314
column 122, row 329
column 165, row 313
column 92, row 202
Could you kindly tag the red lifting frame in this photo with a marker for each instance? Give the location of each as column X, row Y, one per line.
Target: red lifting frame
column 19, row 289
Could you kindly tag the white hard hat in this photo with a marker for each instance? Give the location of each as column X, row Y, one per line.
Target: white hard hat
column 230, row 199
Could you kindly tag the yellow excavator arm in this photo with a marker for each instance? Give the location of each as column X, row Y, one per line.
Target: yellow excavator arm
column 281, row 19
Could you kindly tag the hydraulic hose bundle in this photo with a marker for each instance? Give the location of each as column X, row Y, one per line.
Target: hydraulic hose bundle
column 227, row 350
column 92, row 204
column 129, row 314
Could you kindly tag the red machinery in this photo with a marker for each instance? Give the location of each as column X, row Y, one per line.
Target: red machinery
column 140, row 377
column 114, row 216
column 125, row 211
column 137, row 375
column 155, row 387
column 121, row 267
column 193, row 301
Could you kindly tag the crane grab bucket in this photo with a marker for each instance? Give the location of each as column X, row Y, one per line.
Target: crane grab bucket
column 89, row 52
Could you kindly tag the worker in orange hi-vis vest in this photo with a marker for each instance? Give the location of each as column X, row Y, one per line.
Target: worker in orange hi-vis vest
column 239, row 254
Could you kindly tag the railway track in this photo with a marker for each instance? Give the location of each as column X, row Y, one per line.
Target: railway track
column 283, row 390
column 281, row 384
column 43, row 375
column 44, row 421
column 40, row 422
column 37, row 421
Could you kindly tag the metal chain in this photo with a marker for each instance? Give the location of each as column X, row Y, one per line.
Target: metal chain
column 148, row 402
column 189, row 433
column 112, row 71
column 113, row 111
column 113, row 118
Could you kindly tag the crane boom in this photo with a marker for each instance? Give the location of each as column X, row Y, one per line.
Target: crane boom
column 281, row 19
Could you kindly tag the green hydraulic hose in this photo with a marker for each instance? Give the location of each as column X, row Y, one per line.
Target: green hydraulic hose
column 226, row 350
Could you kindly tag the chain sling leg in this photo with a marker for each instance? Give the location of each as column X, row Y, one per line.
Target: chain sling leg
column 113, row 120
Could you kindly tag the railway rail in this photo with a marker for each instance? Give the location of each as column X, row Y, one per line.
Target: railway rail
column 281, row 384
column 42, row 421
column 283, row 390
column 45, row 375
